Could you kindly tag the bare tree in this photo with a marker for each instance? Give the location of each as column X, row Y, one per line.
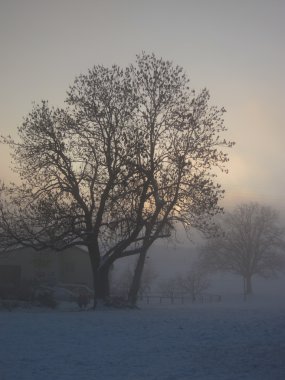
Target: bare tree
column 193, row 283
column 132, row 154
column 249, row 243
column 169, row 287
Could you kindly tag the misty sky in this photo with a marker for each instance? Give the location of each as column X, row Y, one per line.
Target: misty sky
column 234, row 48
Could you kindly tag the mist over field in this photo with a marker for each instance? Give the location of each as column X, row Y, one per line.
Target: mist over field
column 168, row 261
column 120, row 121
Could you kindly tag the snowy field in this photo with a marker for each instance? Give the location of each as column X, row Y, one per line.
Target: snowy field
column 223, row 341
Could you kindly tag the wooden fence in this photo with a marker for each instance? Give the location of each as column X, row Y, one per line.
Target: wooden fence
column 175, row 299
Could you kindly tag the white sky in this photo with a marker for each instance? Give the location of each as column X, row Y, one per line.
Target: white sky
column 235, row 48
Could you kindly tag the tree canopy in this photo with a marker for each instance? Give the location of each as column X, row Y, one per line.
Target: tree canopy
column 250, row 243
column 132, row 153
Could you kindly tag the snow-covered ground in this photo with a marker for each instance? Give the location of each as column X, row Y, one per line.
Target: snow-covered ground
column 225, row 341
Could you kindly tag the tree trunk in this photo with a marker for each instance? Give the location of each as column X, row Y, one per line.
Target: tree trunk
column 101, row 283
column 95, row 286
column 103, row 286
column 94, row 256
column 247, row 286
column 135, row 286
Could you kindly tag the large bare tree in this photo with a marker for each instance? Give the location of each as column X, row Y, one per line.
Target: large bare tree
column 133, row 153
column 250, row 243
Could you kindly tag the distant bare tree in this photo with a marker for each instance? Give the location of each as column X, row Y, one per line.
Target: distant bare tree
column 250, row 243
column 193, row 283
column 169, row 287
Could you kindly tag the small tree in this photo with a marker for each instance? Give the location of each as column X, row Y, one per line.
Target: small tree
column 193, row 283
column 249, row 243
column 169, row 287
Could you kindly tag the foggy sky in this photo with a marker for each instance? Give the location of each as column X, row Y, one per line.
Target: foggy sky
column 234, row 48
